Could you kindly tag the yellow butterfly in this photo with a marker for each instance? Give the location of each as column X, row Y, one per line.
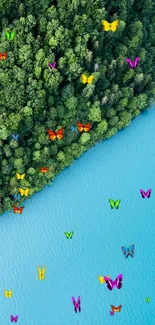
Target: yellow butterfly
column 24, row 192
column 7, row 294
column 20, row 176
column 41, row 273
column 101, row 279
column 89, row 79
column 110, row 26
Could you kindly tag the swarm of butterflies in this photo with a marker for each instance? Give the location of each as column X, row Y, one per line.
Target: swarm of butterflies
column 59, row 134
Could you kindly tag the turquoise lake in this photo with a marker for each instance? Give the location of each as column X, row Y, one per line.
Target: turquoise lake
column 78, row 201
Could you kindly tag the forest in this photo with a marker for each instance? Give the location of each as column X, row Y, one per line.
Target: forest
column 68, row 80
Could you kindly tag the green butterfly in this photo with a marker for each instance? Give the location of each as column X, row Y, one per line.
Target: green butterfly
column 10, row 36
column 114, row 203
column 69, row 234
column 147, row 299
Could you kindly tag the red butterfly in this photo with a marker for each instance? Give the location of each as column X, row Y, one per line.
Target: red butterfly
column 116, row 309
column 83, row 127
column 44, row 169
column 58, row 134
column 3, row 56
column 18, row 210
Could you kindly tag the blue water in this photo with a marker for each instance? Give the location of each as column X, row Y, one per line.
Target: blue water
column 78, row 201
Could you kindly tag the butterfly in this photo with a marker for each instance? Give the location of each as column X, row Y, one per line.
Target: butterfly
column 16, row 197
column 111, row 313
column 83, row 127
column 128, row 251
column 7, row 294
column 15, row 136
column 74, row 128
column 110, row 26
column 13, row 318
column 77, row 304
column 41, row 273
column 146, row 194
column 3, row 56
column 133, row 64
column 20, row 176
column 69, row 234
column 52, row 65
column 147, row 299
column 114, row 203
column 116, row 309
column 18, row 210
column 24, row 192
column 116, row 283
column 101, row 279
column 44, row 169
column 53, row 135
column 10, row 36
column 85, row 79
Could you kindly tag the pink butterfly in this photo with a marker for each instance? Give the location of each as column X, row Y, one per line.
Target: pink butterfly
column 146, row 194
column 114, row 283
column 133, row 64
column 77, row 305
column 52, row 65
column 14, row 318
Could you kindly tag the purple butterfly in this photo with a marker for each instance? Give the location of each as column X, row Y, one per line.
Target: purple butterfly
column 77, row 306
column 116, row 283
column 146, row 194
column 133, row 64
column 52, row 65
column 111, row 313
column 14, row 318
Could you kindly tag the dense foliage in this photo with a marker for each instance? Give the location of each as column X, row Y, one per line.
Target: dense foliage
column 34, row 98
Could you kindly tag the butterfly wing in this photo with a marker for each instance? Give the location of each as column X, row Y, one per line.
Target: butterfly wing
column 67, row 235
column 15, row 209
column 59, row 133
column 148, row 193
column 86, row 127
column 20, row 210
column 109, row 282
column 117, row 203
column 7, row 34
column 21, row 191
column 143, row 194
column 112, row 203
column 90, row 79
column 79, row 303
column 27, row 192
column 12, row 35
column 130, row 63
column 119, row 281
column 71, row 234
column 114, row 25
column 136, row 62
column 124, row 250
column 84, row 78
column 113, row 308
column 131, row 250
column 80, row 126
column 101, row 279
column 106, row 25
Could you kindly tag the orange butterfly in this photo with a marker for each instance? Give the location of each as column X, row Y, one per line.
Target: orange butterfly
column 83, row 127
column 44, row 169
column 3, row 56
column 116, row 309
column 58, row 134
column 18, row 210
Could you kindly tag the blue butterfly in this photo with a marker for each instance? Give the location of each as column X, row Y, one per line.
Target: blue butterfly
column 74, row 128
column 16, row 197
column 128, row 250
column 15, row 136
